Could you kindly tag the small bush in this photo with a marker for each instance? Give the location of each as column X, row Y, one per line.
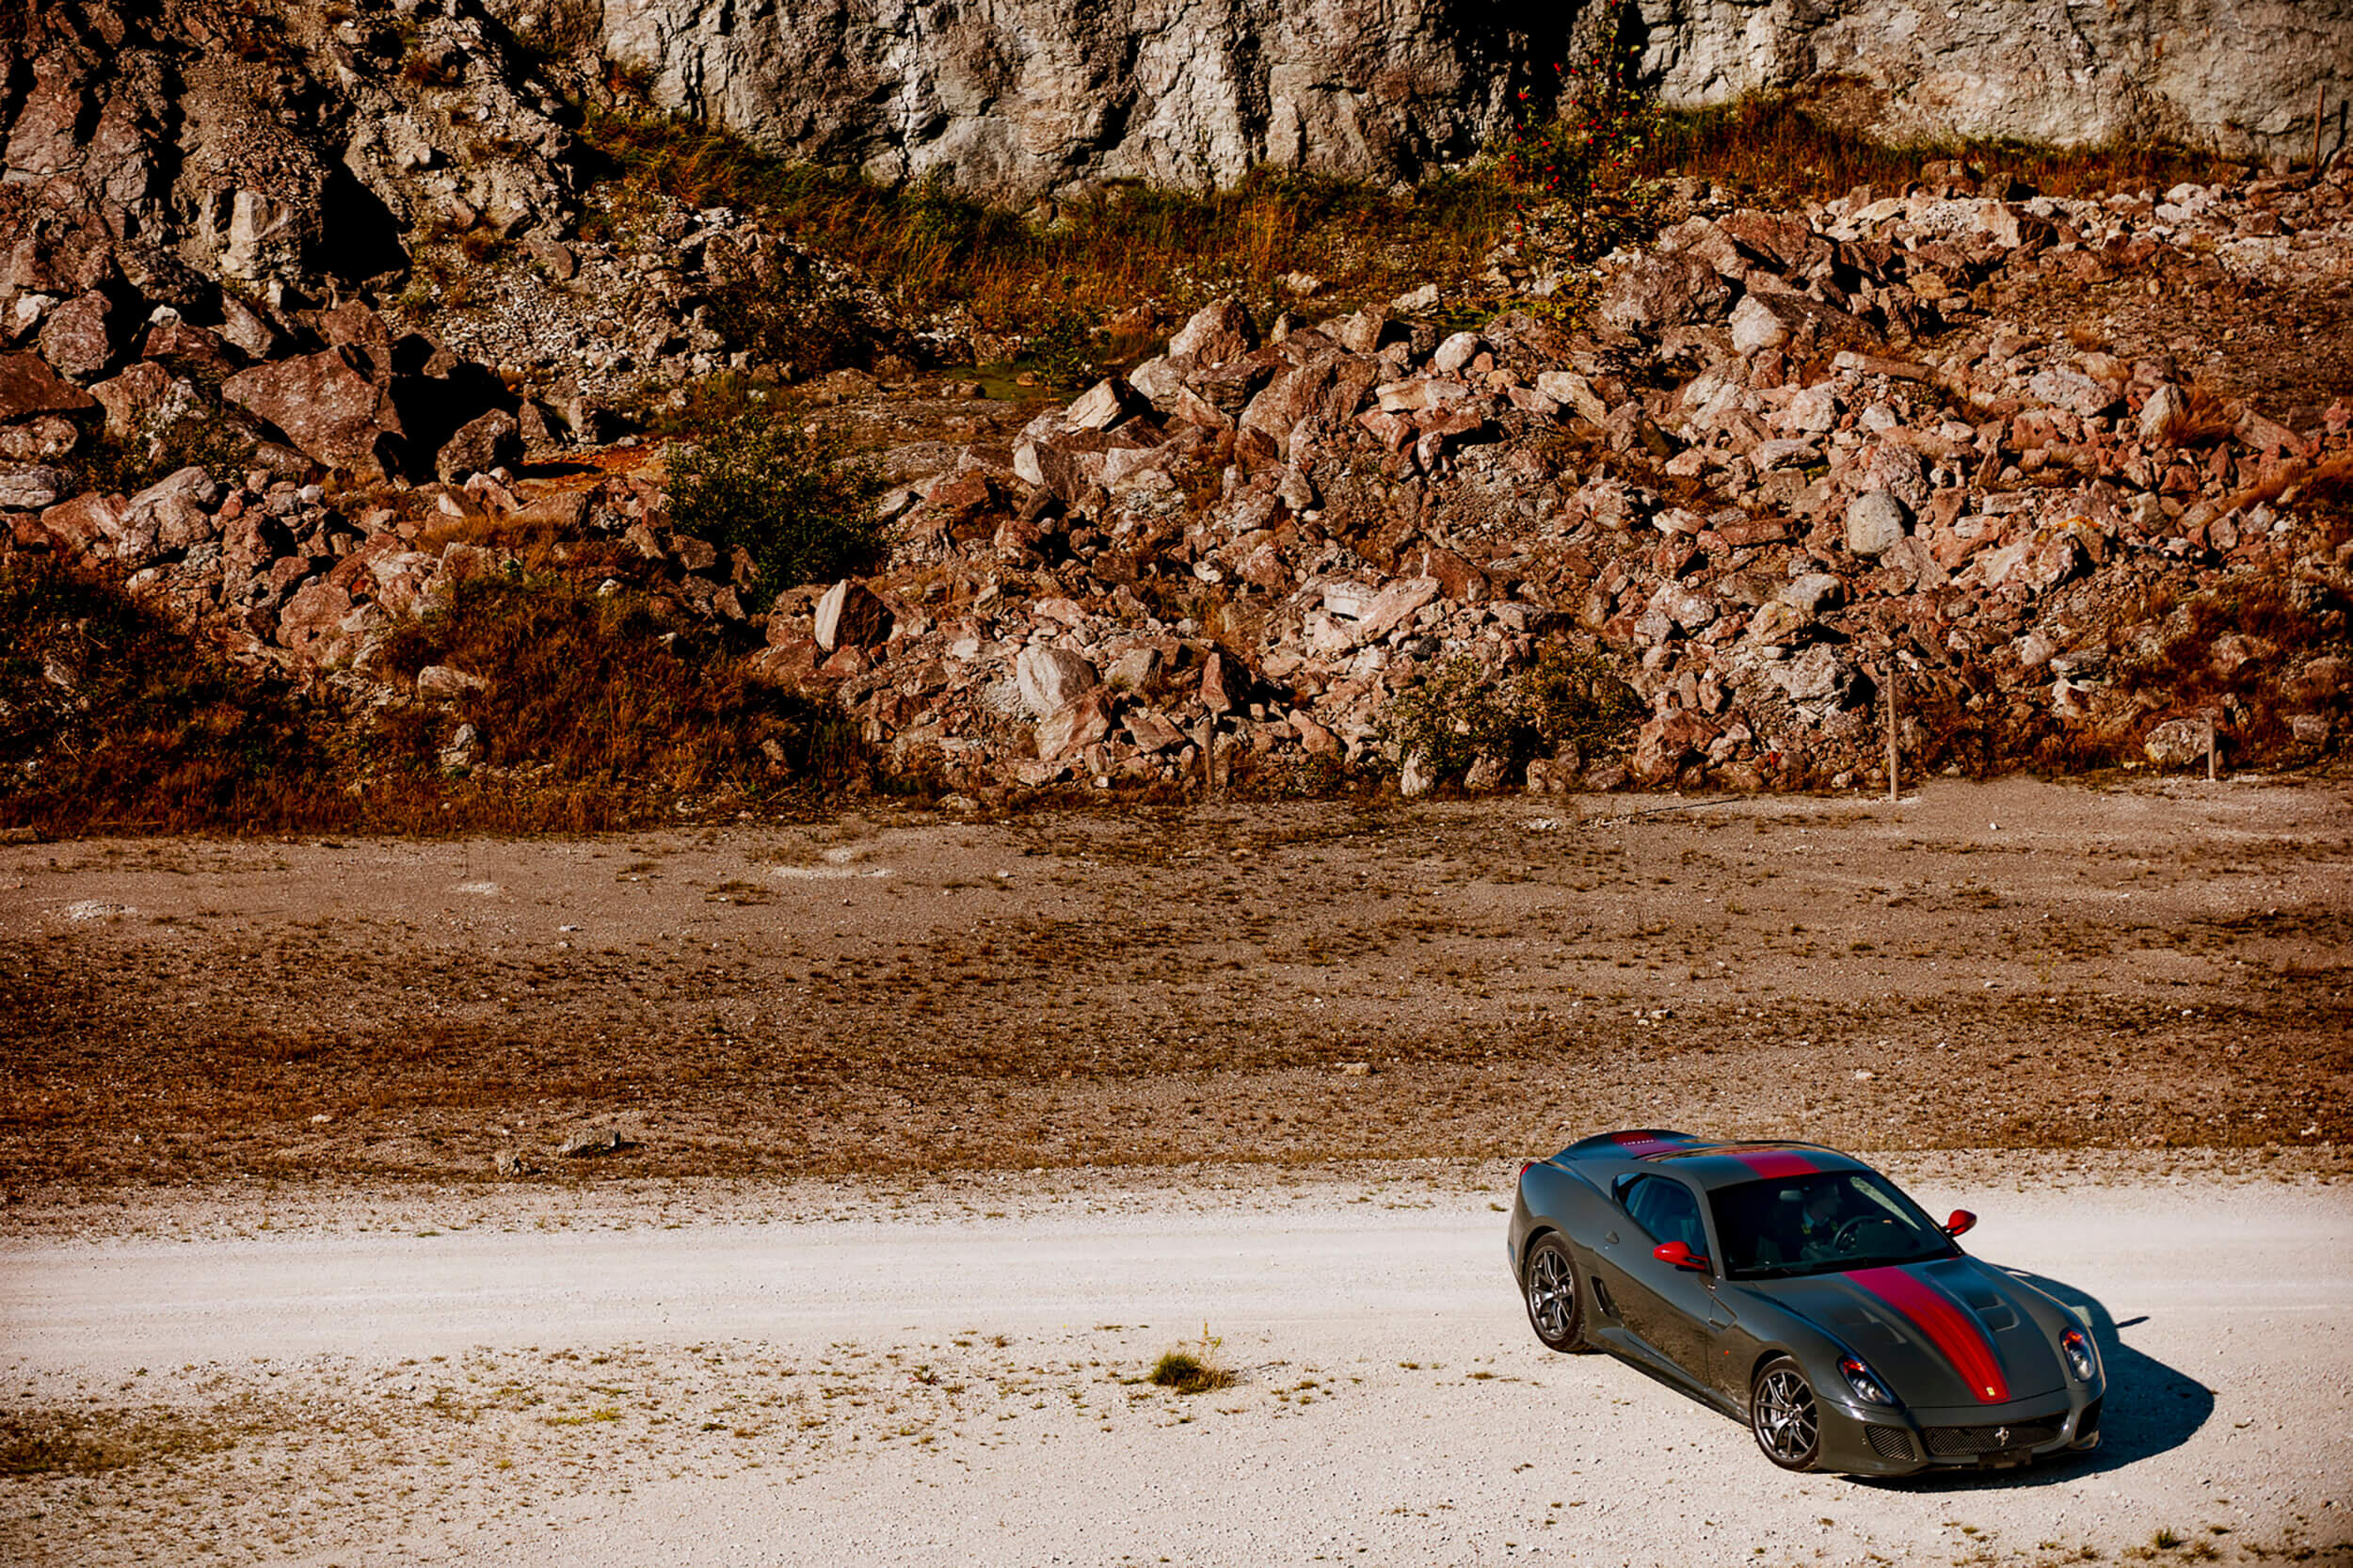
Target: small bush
column 1464, row 711
column 797, row 501
column 793, row 324
column 125, row 465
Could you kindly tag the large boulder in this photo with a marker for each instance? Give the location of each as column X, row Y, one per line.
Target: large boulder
column 335, row 406
column 493, row 440
column 1050, row 678
column 28, row 386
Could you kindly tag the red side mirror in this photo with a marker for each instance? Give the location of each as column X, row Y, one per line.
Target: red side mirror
column 1680, row 1256
column 1961, row 1220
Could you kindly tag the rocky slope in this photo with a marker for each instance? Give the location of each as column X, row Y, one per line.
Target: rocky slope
column 1787, row 457
column 1018, row 98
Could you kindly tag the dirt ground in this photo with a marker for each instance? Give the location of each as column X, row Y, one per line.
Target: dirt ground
column 2017, row 963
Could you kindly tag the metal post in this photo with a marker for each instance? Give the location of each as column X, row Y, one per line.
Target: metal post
column 1892, row 758
column 2320, row 100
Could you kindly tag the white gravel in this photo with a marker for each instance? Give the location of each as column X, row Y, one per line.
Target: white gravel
column 1392, row 1406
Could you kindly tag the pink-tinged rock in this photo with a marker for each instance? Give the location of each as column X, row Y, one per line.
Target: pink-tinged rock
column 315, row 612
column 78, row 338
column 1079, row 724
column 331, row 406
column 1393, row 603
column 28, row 386
column 87, row 523
column 1152, row 732
column 1216, row 333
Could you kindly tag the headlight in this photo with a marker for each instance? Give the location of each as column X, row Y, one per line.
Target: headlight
column 1864, row 1382
column 2082, row 1360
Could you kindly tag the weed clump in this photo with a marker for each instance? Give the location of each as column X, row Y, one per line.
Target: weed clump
column 797, row 500
column 1193, row 1368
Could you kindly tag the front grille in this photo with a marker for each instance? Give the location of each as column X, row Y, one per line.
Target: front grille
column 2088, row 1425
column 1964, row 1442
column 1889, row 1442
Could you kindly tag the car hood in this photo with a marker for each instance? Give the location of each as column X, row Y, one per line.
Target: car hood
column 1950, row 1332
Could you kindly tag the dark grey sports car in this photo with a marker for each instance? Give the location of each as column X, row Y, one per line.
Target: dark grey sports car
column 1802, row 1292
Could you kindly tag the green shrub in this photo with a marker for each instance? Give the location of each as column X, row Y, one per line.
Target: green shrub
column 1463, row 710
column 1458, row 715
column 799, row 502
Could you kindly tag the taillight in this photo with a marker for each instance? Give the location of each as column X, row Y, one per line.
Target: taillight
column 1527, row 1165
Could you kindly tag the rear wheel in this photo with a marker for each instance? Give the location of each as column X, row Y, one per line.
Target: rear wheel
column 1783, row 1415
column 1555, row 1308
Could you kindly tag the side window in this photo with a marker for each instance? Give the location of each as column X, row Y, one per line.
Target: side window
column 1666, row 1209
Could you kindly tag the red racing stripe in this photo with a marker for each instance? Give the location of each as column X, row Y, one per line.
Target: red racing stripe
column 1641, row 1145
column 1774, row 1162
column 1947, row 1325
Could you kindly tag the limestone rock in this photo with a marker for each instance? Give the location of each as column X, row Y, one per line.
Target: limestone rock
column 1049, row 678
column 493, row 440
column 331, row 404
column 849, row 614
column 1875, row 521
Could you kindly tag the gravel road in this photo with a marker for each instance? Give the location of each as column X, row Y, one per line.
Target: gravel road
column 784, row 1380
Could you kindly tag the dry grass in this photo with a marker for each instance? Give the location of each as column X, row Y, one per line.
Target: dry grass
column 600, row 711
column 1099, row 258
column 1793, row 144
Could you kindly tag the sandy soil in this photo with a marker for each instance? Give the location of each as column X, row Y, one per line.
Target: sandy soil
column 807, row 1374
column 2015, row 964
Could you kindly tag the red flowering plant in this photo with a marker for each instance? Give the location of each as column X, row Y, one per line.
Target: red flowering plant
column 1577, row 155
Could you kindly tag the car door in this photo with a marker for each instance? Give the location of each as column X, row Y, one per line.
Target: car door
column 1673, row 1311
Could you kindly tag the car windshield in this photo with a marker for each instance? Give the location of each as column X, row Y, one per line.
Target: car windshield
column 1820, row 1224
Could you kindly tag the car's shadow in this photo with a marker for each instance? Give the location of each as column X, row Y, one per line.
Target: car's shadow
column 2149, row 1408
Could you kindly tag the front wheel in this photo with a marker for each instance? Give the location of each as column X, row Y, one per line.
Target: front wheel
column 1783, row 1416
column 1554, row 1310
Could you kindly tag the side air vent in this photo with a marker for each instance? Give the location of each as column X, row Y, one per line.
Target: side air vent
column 1889, row 1442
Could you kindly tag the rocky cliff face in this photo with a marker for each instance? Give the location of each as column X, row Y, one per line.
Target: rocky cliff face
column 1015, row 98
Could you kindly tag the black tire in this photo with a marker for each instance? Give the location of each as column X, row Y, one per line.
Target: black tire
column 1554, row 1296
column 1783, row 1417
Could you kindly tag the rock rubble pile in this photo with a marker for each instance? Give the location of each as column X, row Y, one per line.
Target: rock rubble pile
column 1783, row 458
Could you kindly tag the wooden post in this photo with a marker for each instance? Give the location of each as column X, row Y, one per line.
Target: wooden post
column 2320, row 101
column 2210, row 743
column 1892, row 756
